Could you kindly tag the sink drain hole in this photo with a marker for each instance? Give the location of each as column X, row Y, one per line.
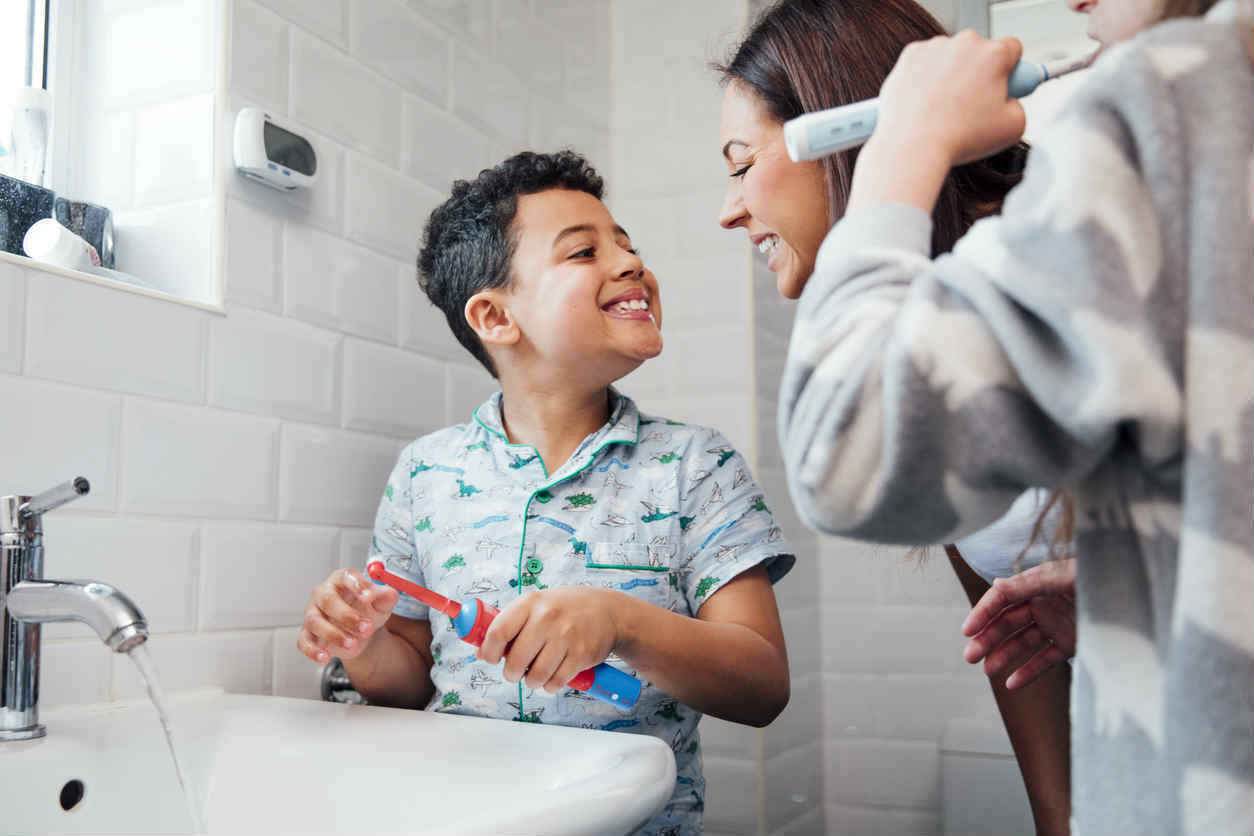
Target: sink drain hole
column 72, row 794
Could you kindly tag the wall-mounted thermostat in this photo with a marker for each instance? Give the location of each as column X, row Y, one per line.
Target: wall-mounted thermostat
column 271, row 153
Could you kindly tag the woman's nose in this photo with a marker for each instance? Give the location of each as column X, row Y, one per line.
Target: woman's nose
column 732, row 214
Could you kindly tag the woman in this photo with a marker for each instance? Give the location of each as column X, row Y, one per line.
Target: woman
column 805, row 55
column 1098, row 334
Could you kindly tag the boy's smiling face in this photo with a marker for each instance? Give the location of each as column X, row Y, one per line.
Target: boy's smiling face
column 584, row 304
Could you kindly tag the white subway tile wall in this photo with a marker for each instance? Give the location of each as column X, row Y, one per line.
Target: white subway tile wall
column 260, row 54
column 12, row 317
column 794, row 785
column 266, row 364
column 340, row 96
column 60, row 431
column 260, row 575
column 154, row 561
column 143, row 141
column 173, row 163
column 397, row 43
column 74, row 337
column 384, row 209
column 330, row 477
column 73, row 672
column 253, row 277
column 192, row 461
column 389, row 390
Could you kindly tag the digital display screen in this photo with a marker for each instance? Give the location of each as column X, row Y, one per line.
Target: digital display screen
column 288, row 150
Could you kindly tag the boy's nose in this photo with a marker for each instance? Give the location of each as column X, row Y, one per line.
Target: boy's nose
column 1081, row 6
column 632, row 267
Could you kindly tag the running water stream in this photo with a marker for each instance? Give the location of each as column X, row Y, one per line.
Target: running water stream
column 139, row 655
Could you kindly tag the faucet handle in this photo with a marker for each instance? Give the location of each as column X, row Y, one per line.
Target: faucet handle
column 54, row 497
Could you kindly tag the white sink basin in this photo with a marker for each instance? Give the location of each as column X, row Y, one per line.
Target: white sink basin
column 276, row 765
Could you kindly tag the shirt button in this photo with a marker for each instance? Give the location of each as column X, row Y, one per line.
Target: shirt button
column 534, row 566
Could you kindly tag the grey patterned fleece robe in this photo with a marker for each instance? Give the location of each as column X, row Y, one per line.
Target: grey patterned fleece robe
column 1098, row 335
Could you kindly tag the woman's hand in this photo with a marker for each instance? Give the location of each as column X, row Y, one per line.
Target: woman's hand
column 551, row 635
column 344, row 611
column 949, row 94
column 1031, row 612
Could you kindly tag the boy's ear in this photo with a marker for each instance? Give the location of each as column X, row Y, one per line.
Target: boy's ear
column 490, row 318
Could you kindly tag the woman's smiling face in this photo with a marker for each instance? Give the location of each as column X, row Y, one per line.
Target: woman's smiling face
column 782, row 205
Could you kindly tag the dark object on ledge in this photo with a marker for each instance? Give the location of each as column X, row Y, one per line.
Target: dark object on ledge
column 21, row 205
column 335, row 684
column 92, row 223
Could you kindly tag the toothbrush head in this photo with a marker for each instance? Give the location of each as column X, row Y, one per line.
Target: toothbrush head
column 376, row 570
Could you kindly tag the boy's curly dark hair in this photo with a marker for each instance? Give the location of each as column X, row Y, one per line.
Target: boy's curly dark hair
column 467, row 246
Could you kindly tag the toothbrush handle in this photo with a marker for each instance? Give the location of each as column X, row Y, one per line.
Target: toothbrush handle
column 813, row 136
column 605, row 682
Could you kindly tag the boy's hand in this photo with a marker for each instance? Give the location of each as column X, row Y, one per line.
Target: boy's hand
column 551, row 635
column 948, row 95
column 344, row 611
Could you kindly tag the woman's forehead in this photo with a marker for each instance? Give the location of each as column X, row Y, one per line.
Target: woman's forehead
column 744, row 119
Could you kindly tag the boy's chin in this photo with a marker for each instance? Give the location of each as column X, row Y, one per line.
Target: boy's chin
column 646, row 350
column 628, row 360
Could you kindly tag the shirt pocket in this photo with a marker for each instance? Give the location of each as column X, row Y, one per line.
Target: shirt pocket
column 628, row 568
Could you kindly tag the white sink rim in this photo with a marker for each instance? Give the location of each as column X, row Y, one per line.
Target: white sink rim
column 612, row 781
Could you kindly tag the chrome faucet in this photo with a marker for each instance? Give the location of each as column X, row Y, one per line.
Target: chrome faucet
column 27, row 600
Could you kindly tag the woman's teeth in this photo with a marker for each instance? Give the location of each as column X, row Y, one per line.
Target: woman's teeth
column 768, row 244
column 630, row 305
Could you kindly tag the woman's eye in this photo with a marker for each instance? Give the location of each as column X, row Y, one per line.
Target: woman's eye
column 587, row 252
column 740, row 172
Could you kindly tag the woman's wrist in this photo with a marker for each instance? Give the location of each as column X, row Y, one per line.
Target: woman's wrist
column 889, row 170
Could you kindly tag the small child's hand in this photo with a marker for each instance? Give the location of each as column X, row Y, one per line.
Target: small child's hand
column 551, row 635
column 344, row 611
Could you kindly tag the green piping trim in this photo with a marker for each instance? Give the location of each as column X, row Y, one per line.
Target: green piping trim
column 636, row 568
column 522, row 545
column 509, row 443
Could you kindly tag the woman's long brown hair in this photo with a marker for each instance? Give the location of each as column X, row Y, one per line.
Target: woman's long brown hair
column 1184, row 8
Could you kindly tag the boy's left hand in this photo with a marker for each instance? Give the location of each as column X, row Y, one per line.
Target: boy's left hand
column 551, row 635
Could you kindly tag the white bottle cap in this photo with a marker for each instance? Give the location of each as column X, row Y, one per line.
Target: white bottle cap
column 50, row 242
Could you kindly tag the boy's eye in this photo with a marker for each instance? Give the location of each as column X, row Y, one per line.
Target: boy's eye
column 587, row 252
column 740, row 172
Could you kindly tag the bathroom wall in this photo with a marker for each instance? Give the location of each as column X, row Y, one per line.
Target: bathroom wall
column 136, row 83
column 237, row 459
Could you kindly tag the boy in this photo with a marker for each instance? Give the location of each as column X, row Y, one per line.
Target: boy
column 596, row 530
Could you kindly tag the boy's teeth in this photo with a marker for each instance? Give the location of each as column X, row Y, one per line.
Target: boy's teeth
column 631, row 305
column 768, row 243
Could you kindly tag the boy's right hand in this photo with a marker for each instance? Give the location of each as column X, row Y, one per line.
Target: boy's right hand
column 344, row 611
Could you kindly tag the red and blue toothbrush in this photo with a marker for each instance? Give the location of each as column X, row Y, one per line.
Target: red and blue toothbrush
column 471, row 620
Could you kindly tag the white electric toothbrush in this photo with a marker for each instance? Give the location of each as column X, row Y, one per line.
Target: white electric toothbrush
column 816, row 135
